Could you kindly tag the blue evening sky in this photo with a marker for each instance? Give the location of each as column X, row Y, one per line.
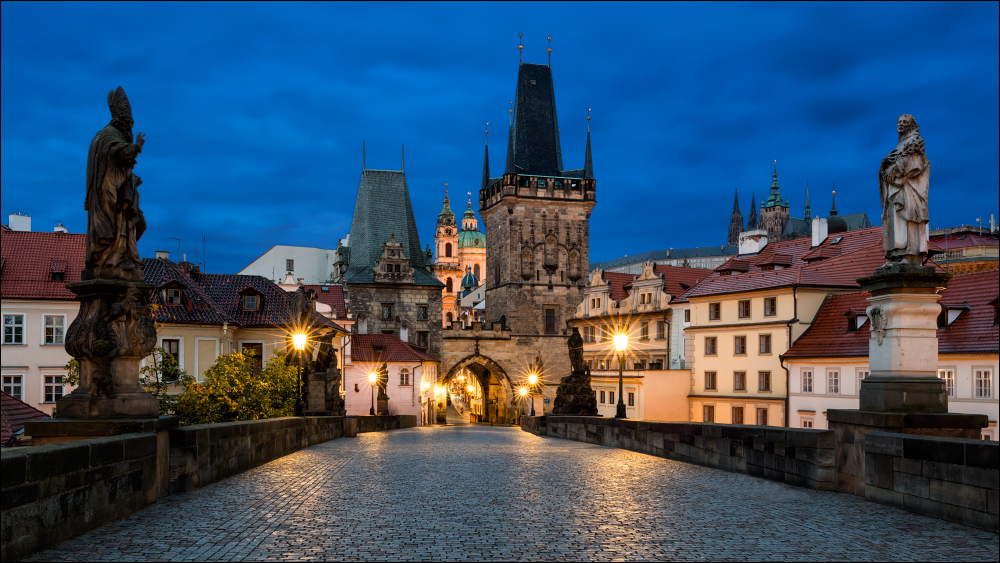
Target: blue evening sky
column 255, row 113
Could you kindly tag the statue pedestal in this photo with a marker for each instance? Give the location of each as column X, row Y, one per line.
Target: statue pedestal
column 109, row 338
column 903, row 394
column 382, row 406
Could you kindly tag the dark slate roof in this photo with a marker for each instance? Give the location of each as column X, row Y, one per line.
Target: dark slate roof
column 536, row 128
column 796, row 226
column 29, row 258
column 383, row 210
column 854, row 222
column 672, row 254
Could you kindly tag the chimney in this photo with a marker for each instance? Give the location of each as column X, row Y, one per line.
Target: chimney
column 163, row 254
column 752, row 242
column 300, row 281
column 819, row 231
column 60, row 228
column 18, row 222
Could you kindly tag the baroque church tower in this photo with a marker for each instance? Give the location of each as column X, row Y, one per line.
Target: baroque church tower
column 537, row 221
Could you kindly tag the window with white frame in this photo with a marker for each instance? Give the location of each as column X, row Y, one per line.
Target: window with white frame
column 53, row 388
column 807, row 380
column 404, row 377
column 13, row 385
column 54, row 329
column 807, row 423
column 983, row 381
column 948, row 375
column 833, row 381
column 13, row 329
column 862, row 374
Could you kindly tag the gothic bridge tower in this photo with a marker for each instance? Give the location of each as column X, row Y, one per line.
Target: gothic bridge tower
column 536, row 217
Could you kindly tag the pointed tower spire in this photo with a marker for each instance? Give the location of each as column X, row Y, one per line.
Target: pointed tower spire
column 736, row 200
column 588, row 163
column 735, row 222
column 486, row 160
column 509, row 168
column 808, row 212
column 833, row 204
column 752, row 223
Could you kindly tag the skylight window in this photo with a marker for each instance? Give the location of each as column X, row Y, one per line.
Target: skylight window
column 836, row 241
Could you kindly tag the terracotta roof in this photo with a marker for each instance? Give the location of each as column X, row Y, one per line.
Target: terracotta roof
column 332, row 295
column 14, row 413
column 29, row 258
column 973, row 332
column 619, row 284
column 677, row 280
column 860, row 252
column 378, row 348
column 963, row 240
column 217, row 298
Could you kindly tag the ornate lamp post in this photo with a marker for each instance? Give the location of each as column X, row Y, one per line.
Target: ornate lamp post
column 299, row 343
column 373, row 379
column 532, row 381
column 621, row 345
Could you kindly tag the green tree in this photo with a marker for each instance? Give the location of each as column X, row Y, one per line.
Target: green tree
column 230, row 391
column 158, row 377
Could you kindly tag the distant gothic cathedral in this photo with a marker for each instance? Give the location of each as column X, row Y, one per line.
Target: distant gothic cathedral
column 776, row 220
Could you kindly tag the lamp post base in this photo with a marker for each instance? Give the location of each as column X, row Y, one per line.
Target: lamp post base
column 621, row 411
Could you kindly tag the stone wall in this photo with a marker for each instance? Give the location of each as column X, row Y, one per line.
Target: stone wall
column 796, row 456
column 380, row 423
column 949, row 478
column 366, row 304
column 205, row 453
column 56, row 492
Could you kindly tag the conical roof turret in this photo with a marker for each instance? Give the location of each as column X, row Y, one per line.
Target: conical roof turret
column 808, row 212
column 588, row 163
column 486, row 167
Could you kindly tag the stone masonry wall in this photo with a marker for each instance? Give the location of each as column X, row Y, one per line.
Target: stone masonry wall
column 802, row 457
column 205, row 453
column 949, row 478
column 366, row 305
column 56, row 492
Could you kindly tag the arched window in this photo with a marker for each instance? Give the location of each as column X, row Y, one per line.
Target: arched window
column 447, row 252
column 448, row 287
column 450, row 318
column 404, row 377
column 475, row 272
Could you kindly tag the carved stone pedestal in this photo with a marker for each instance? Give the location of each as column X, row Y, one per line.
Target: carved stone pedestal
column 575, row 396
column 109, row 338
column 903, row 393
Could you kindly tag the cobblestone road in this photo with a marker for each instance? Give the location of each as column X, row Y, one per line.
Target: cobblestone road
column 479, row 493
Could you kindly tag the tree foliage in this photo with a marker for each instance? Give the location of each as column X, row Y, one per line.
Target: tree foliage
column 230, row 391
column 158, row 377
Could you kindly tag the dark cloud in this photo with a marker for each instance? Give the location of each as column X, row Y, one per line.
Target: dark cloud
column 255, row 113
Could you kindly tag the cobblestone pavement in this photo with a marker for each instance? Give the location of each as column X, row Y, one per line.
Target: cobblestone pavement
column 480, row 493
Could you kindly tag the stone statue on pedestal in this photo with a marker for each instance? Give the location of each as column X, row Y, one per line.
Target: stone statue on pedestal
column 114, row 329
column 574, row 394
column 904, row 179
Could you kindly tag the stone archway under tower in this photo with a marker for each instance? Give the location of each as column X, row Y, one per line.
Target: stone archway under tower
column 492, row 397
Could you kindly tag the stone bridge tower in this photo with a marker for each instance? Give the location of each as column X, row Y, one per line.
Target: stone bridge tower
column 537, row 238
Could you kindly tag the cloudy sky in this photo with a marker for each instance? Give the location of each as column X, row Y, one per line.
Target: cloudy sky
column 255, row 113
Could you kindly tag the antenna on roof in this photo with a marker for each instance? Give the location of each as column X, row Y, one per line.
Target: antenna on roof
column 550, row 50
column 178, row 245
column 520, row 49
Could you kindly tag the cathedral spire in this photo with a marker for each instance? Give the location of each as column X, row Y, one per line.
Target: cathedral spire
column 486, row 165
column 736, row 201
column 808, row 213
column 735, row 222
column 752, row 223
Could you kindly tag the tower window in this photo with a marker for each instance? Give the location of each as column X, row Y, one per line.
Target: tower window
column 447, row 250
column 290, row 265
column 550, row 320
column 475, row 270
column 448, row 285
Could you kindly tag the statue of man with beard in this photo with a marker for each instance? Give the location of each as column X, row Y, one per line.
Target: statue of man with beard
column 114, row 221
column 904, row 180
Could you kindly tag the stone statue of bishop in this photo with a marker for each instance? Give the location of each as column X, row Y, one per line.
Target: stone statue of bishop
column 904, row 178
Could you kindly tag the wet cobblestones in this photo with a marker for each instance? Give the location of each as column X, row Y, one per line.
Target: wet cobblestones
column 481, row 493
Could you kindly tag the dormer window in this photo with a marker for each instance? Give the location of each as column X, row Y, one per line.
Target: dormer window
column 855, row 320
column 251, row 302
column 949, row 313
column 173, row 297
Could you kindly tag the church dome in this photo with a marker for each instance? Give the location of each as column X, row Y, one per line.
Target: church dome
column 469, row 282
column 836, row 224
column 471, row 239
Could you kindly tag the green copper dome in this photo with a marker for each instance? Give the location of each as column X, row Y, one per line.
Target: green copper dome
column 469, row 282
column 471, row 239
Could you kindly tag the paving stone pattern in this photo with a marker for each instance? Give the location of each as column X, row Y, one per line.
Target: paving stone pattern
column 472, row 492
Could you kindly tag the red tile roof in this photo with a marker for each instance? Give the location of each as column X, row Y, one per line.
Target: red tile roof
column 29, row 258
column 13, row 414
column 973, row 332
column 378, row 348
column 963, row 240
column 855, row 255
column 619, row 284
column 332, row 295
column 677, row 280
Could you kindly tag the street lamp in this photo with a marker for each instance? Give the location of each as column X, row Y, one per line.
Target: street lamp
column 373, row 379
column 532, row 380
column 524, row 392
column 621, row 344
column 299, row 343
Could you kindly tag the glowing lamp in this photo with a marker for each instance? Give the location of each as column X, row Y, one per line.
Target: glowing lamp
column 532, row 379
column 425, row 386
column 299, row 341
column 373, row 377
column 469, row 387
column 523, row 391
column 621, row 342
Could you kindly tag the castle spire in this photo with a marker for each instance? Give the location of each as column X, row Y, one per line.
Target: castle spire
column 752, row 223
column 808, row 213
column 833, row 204
column 735, row 222
column 486, row 161
column 588, row 163
column 736, row 200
